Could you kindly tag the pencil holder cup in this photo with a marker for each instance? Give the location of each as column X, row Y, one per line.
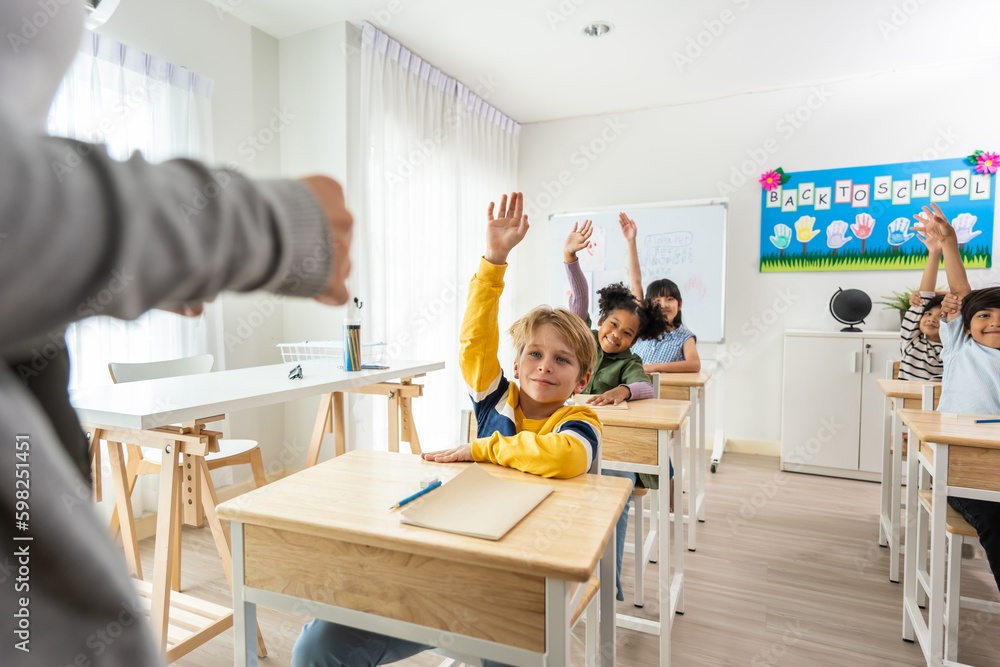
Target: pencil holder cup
column 352, row 346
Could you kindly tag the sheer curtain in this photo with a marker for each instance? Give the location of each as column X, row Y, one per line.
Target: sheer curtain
column 131, row 101
column 434, row 155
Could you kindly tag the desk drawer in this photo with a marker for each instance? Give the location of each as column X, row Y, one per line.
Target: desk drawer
column 974, row 467
column 629, row 445
column 466, row 598
column 971, row 467
column 675, row 393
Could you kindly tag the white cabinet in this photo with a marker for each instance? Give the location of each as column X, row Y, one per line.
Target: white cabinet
column 832, row 410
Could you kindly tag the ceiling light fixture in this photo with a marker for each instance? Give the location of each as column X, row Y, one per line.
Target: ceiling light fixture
column 598, row 29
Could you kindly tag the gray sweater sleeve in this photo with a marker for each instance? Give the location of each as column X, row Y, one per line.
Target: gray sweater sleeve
column 82, row 234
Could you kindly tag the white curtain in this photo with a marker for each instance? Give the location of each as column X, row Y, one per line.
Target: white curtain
column 434, row 155
column 131, row 101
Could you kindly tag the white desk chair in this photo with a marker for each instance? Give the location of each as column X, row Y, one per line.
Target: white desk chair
column 583, row 598
column 957, row 531
column 146, row 460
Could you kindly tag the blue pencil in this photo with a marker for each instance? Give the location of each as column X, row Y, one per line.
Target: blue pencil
column 988, row 421
column 415, row 495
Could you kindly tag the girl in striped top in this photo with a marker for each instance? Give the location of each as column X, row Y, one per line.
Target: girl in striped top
column 920, row 329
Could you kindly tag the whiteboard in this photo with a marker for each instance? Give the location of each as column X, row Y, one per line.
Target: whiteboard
column 683, row 241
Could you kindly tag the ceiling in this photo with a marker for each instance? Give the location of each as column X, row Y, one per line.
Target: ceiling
column 540, row 66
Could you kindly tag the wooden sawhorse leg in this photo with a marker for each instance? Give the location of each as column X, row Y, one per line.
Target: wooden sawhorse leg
column 409, row 428
column 123, row 506
column 330, row 417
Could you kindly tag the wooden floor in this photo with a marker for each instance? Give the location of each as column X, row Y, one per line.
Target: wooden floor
column 788, row 571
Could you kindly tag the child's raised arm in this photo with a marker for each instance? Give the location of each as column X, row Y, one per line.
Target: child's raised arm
column 909, row 328
column 506, row 230
column 629, row 231
column 936, row 226
column 928, row 281
column 577, row 240
column 579, row 297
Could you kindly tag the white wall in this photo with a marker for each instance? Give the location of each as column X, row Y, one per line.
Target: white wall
column 243, row 64
column 686, row 152
column 319, row 72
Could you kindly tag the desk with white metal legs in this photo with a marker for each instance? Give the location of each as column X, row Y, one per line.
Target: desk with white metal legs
column 963, row 458
column 899, row 394
column 640, row 439
column 323, row 542
column 692, row 387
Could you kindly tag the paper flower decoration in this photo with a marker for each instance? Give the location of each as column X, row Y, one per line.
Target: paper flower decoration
column 771, row 179
column 986, row 163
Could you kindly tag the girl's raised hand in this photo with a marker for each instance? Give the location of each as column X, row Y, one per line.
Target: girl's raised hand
column 577, row 240
column 506, row 230
column 629, row 230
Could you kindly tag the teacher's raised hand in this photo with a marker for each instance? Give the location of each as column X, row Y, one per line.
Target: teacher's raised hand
column 340, row 226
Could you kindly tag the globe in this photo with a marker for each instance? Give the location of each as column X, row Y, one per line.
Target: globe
column 850, row 307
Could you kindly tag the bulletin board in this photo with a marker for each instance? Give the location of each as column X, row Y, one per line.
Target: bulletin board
column 861, row 218
column 683, row 241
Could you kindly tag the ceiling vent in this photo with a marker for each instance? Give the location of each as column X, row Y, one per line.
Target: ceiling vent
column 99, row 11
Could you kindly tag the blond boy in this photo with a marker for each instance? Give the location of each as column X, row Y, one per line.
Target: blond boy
column 527, row 427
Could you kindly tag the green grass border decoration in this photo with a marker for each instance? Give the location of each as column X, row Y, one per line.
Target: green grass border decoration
column 873, row 260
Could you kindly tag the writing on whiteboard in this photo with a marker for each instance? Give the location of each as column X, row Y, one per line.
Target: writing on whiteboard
column 665, row 250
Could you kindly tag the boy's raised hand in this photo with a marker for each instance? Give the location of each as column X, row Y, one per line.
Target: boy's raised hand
column 577, row 240
column 916, row 300
column 629, row 230
column 506, row 230
column 935, row 225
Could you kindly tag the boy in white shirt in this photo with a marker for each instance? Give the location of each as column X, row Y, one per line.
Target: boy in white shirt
column 971, row 354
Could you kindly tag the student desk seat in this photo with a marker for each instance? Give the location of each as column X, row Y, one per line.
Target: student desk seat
column 899, row 394
column 640, row 439
column 964, row 459
column 141, row 412
column 323, row 542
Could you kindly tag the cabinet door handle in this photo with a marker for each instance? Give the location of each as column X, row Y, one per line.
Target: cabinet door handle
column 854, row 362
column 868, row 359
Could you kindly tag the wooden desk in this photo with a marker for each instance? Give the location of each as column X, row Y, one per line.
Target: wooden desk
column 141, row 413
column 639, row 440
column 324, row 540
column 691, row 387
column 964, row 459
column 899, row 394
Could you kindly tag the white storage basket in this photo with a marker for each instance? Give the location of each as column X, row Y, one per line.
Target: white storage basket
column 330, row 352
